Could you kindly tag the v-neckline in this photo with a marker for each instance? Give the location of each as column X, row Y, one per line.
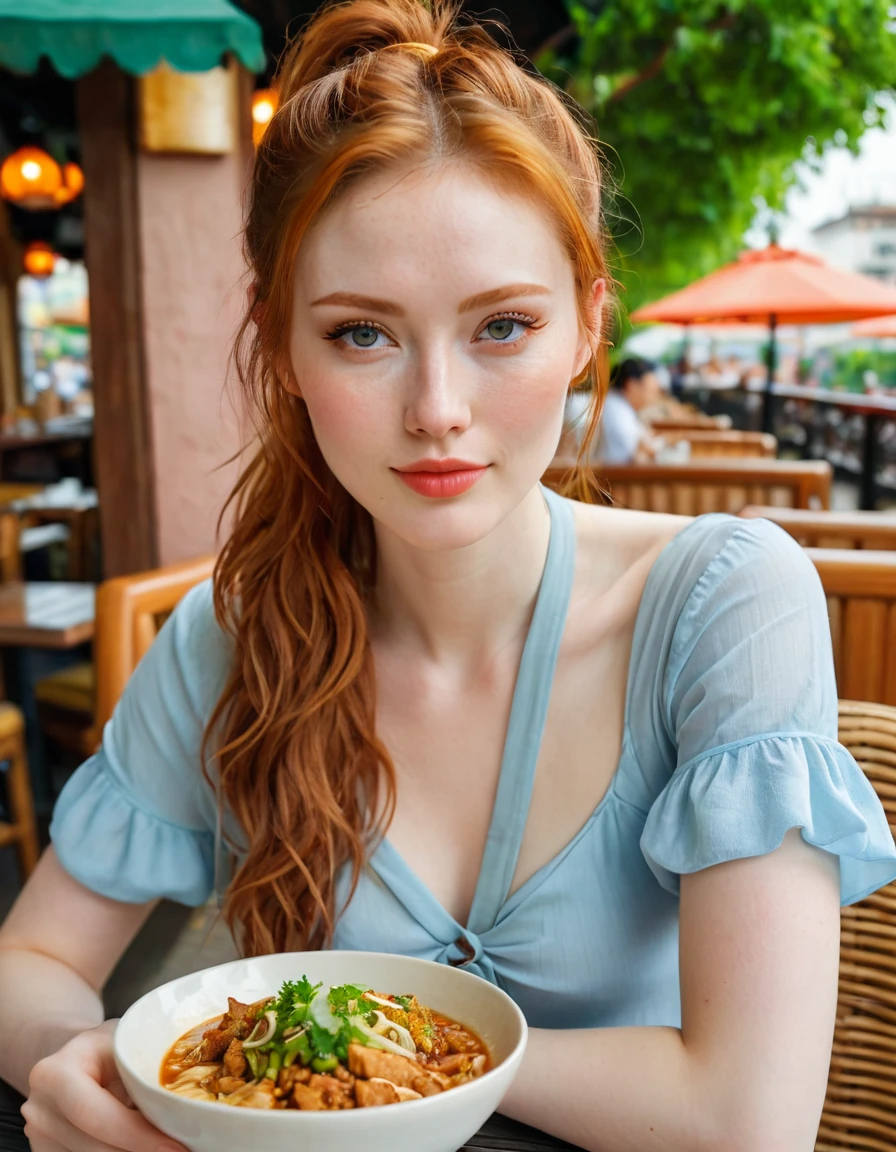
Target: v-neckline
column 522, row 743
column 391, row 867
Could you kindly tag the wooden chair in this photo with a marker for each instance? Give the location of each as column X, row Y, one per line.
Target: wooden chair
column 696, row 421
column 712, row 445
column 10, row 551
column 861, row 591
column 712, row 486
column 860, row 1107
column 875, row 530
column 76, row 703
column 130, row 610
column 20, row 830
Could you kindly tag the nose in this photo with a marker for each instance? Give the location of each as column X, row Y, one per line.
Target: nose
column 438, row 403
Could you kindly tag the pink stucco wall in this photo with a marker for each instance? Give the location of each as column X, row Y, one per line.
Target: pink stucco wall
column 193, row 289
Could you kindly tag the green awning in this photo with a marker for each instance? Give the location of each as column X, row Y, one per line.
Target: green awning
column 190, row 35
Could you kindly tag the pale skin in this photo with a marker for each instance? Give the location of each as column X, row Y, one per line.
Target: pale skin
column 457, row 583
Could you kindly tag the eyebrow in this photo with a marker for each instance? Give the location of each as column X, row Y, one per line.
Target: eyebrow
column 471, row 304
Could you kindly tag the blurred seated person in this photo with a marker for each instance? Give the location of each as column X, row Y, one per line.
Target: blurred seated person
column 624, row 436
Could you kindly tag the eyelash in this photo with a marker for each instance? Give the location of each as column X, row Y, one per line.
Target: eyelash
column 528, row 322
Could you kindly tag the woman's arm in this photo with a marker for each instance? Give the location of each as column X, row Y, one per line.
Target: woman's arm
column 747, row 1071
column 57, row 947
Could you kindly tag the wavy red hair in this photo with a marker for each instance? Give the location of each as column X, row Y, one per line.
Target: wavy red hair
column 297, row 760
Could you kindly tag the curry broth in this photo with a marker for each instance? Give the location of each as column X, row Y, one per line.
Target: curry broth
column 458, row 1054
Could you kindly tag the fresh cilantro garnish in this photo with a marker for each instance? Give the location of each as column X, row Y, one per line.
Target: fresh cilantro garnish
column 404, row 1001
column 292, row 1002
column 344, row 998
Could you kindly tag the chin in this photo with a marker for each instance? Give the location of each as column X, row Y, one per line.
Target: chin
column 442, row 525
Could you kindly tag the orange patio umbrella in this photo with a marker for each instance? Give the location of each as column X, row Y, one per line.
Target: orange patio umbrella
column 774, row 286
column 884, row 327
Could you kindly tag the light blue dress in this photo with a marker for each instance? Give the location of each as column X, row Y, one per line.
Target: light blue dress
column 730, row 739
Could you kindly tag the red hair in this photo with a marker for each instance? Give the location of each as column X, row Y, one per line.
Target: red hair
column 298, row 760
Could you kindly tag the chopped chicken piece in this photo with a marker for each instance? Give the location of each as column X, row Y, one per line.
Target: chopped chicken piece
column 458, row 1041
column 291, row 1076
column 252, row 1095
column 371, row 1064
column 375, row 1092
column 228, row 1084
column 408, row 1094
column 451, row 1065
column 236, row 1023
column 235, row 1063
column 323, row 1094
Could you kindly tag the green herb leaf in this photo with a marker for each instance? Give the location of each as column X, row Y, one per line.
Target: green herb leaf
column 293, row 1001
column 343, row 999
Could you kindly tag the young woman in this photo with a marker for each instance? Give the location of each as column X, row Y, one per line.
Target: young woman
column 428, row 706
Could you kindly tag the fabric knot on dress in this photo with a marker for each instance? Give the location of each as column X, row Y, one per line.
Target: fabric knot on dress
column 465, row 950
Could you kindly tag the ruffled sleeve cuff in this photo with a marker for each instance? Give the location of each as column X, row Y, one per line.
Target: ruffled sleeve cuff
column 741, row 799
column 111, row 845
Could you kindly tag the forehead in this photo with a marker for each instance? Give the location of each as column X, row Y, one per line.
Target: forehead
column 448, row 228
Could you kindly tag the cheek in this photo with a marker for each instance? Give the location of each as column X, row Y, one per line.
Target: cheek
column 344, row 417
column 532, row 395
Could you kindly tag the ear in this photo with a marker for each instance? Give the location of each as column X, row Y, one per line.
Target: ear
column 256, row 306
column 590, row 330
column 288, row 378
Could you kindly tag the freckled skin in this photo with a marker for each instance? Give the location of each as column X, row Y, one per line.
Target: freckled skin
column 436, row 382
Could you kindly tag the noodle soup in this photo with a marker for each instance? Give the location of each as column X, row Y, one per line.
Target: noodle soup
column 317, row 1050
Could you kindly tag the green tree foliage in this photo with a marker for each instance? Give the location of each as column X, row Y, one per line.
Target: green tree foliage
column 704, row 106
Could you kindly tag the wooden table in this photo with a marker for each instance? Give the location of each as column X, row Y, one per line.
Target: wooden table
column 46, row 615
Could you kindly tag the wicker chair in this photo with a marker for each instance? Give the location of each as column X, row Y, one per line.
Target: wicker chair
column 860, row 1106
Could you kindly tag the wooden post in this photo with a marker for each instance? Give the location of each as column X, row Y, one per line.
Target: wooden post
column 123, row 446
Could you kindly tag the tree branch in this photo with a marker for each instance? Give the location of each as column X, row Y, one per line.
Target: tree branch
column 555, row 40
column 656, row 64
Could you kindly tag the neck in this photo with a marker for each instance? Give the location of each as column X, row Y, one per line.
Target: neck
column 462, row 606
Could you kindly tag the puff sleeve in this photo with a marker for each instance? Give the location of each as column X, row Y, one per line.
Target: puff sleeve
column 750, row 701
column 137, row 820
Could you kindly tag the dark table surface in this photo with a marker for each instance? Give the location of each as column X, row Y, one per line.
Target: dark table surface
column 497, row 1135
column 502, row 1135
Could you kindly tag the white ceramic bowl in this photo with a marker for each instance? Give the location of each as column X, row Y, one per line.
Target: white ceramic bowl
column 441, row 1123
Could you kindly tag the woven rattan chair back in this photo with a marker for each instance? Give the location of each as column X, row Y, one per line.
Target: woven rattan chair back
column 860, row 1106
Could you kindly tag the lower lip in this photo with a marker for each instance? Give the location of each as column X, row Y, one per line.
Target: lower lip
column 439, row 485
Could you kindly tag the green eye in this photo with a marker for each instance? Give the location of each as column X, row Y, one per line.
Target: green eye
column 364, row 337
column 500, row 329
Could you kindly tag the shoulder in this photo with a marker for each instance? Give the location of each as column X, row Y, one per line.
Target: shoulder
column 613, row 541
column 674, row 569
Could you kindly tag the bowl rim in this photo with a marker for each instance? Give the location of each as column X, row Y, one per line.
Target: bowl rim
column 215, row 1106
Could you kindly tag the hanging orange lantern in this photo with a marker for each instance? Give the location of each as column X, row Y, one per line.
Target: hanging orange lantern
column 264, row 105
column 72, row 184
column 30, row 178
column 39, row 259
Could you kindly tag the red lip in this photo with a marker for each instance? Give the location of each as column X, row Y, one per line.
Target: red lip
column 441, row 479
column 447, row 464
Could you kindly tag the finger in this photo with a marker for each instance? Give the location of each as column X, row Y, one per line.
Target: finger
column 87, row 1108
column 62, row 1134
column 43, row 1143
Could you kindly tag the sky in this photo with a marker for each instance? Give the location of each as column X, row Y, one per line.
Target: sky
column 845, row 180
